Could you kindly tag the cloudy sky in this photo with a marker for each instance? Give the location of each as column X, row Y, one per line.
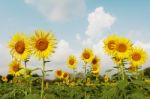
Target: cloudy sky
column 77, row 24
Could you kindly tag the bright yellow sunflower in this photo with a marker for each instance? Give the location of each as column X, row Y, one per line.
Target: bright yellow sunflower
column 132, row 68
column 4, row 79
column 65, row 76
column 106, row 78
column 19, row 46
column 14, row 67
column 110, row 44
column 72, row 62
column 137, row 56
column 123, row 48
column 59, row 74
column 95, row 69
column 43, row 44
column 117, row 60
column 95, row 60
column 87, row 55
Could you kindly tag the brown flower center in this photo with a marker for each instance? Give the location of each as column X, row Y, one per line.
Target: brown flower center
column 71, row 62
column 94, row 61
column 65, row 75
column 59, row 73
column 122, row 48
column 111, row 45
column 86, row 55
column 42, row 44
column 15, row 67
column 136, row 56
column 20, row 47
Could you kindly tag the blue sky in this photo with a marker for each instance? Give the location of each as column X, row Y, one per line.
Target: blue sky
column 130, row 18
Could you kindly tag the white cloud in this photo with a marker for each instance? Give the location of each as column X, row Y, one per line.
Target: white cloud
column 5, row 59
column 59, row 10
column 98, row 22
column 78, row 37
column 62, row 52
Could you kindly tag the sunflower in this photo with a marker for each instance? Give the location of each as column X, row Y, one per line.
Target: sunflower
column 132, row 68
column 72, row 62
column 59, row 73
column 19, row 46
column 43, row 44
column 4, row 79
column 14, row 67
column 87, row 55
column 123, row 48
column 95, row 60
column 65, row 76
column 110, row 44
column 95, row 69
column 137, row 56
column 117, row 60
column 106, row 78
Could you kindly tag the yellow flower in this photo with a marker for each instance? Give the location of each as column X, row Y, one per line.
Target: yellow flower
column 95, row 69
column 95, row 60
column 123, row 48
column 43, row 44
column 117, row 60
column 4, row 79
column 59, row 73
column 65, row 76
column 147, row 81
column 19, row 46
column 87, row 55
column 72, row 62
column 133, row 68
column 106, row 78
column 110, row 44
column 137, row 56
column 14, row 67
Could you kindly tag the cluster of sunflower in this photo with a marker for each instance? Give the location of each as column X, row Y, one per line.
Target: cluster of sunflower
column 22, row 47
column 41, row 45
column 88, row 57
column 124, row 52
column 62, row 75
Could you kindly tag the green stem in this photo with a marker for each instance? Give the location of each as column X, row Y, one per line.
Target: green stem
column 122, row 71
column 43, row 77
column 85, row 69
column 74, row 75
column 25, row 65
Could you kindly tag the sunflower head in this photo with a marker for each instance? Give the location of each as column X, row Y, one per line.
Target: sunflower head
column 137, row 56
column 87, row 55
column 4, row 79
column 95, row 60
column 117, row 60
column 106, row 78
column 59, row 73
column 95, row 69
column 19, row 46
column 110, row 44
column 65, row 76
column 123, row 48
column 14, row 67
column 43, row 44
column 132, row 68
column 72, row 62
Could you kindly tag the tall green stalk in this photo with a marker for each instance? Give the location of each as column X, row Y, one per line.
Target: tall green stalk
column 43, row 77
column 25, row 68
column 122, row 70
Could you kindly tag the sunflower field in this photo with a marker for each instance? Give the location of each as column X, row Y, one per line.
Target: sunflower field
column 128, row 82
